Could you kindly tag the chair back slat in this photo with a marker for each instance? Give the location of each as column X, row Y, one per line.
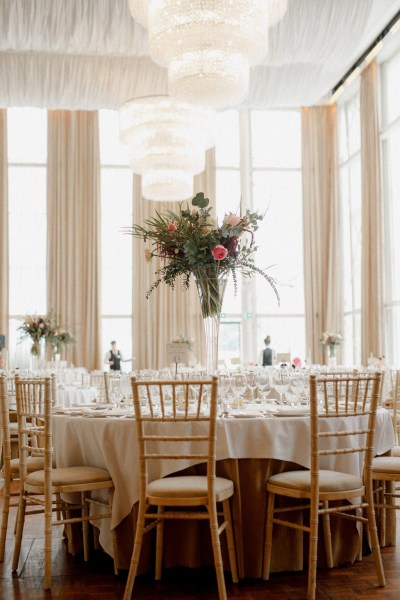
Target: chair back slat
column 176, row 420
column 354, row 399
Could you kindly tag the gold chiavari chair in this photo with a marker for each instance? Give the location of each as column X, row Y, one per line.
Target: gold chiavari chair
column 353, row 398
column 174, row 423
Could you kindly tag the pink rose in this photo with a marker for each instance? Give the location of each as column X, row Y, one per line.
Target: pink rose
column 172, row 227
column 296, row 362
column 232, row 220
column 219, row 252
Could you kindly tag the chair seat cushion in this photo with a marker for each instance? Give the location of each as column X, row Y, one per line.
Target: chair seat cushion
column 190, row 486
column 386, row 464
column 329, row 481
column 70, row 476
column 34, row 463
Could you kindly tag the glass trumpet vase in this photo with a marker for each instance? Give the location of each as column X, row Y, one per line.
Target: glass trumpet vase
column 211, row 289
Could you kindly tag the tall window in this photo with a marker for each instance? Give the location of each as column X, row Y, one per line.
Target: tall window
column 27, row 217
column 259, row 160
column 116, row 248
column 391, row 175
column 350, row 191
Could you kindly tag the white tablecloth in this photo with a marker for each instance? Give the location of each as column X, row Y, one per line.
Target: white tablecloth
column 71, row 395
column 111, row 443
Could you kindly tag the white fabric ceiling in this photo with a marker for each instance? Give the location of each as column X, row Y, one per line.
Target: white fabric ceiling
column 89, row 54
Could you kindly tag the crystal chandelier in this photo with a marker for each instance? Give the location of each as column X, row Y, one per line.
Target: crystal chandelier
column 167, row 141
column 208, row 46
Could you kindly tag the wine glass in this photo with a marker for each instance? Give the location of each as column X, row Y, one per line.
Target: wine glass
column 239, row 384
column 280, row 378
column 263, row 384
column 297, row 385
column 251, row 379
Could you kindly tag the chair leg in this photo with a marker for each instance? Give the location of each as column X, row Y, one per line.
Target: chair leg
column 48, row 538
column 230, row 540
column 313, row 551
column 268, row 535
column 216, row 545
column 136, row 552
column 159, row 545
column 113, row 532
column 382, row 517
column 4, row 518
column 327, row 537
column 373, row 532
column 85, row 526
column 19, row 531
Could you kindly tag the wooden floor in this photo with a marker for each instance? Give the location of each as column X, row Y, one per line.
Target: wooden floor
column 75, row 580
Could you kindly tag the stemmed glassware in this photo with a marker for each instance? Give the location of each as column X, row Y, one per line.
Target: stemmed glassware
column 297, row 384
column 251, row 378
column 239, row 384
column 281, row 381
column 263, row 384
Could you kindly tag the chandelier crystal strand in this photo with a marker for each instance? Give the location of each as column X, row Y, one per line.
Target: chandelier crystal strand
column 167, row 141
column 208, row 46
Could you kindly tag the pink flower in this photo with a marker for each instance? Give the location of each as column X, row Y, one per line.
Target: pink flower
column 172, row 227
column 296, row 362
column 232, row 220
column 219, row 252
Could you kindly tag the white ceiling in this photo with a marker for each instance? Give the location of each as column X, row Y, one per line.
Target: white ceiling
column 91, row 54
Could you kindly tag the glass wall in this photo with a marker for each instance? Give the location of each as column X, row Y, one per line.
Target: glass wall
column 258, row 157
column 116, row 248
column 350, row 192
column 390, row 71
column 27, row 218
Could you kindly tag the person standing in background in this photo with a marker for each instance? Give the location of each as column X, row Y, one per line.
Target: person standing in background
column 114, row 357
column 268, row 354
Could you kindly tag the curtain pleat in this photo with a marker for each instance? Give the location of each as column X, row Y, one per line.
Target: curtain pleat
column 73, row 249
column 166, row 313
column 3, row 227
column 372, row 330
column 322, row 231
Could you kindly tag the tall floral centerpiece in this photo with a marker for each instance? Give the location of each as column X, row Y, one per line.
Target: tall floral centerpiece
column 191, row 243
column 331, row 341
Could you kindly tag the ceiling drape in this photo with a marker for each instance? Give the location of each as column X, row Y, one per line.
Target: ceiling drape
column 90, row 55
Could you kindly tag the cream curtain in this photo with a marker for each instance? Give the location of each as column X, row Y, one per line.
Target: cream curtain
column 322, row 247
column 372, row 330
column 73, row 249
column 3, row 227
column 166, row 313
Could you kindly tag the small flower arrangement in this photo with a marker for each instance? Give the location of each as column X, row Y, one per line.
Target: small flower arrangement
column 38, row 327
column 190, row 242
column 45, row 327
column 331, row 339
column 61, row 338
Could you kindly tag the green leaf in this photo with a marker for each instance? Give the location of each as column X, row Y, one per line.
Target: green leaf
column 200, row 201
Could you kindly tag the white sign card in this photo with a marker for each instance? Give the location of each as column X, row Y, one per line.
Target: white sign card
column 177, row 353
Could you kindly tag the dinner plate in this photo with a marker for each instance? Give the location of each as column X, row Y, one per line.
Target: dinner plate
column 291, row 413
column 246, row 415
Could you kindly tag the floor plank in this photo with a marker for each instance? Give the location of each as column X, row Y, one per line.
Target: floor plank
column 73, row 579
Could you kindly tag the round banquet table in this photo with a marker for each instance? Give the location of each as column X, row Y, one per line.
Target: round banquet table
column 248, row 452
column 71, row 395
